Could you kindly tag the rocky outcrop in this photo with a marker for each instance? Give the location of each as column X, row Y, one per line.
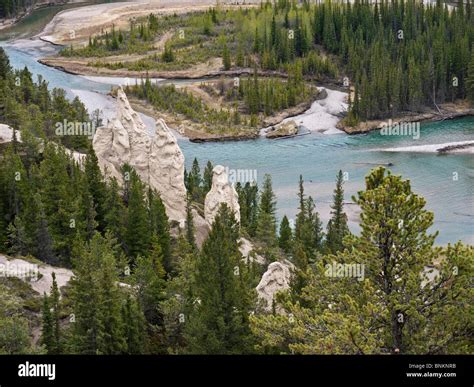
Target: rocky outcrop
column 166, row 171
column 247, row 250
column 6, row 134
column 275, row 279
column 158, row 160
column 284, row 129
column 39, row 276
column 221, row 192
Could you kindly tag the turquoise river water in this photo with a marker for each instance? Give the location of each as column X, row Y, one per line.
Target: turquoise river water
column 318, row 157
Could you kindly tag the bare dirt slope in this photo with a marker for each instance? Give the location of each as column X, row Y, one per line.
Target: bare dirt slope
column 39, row 276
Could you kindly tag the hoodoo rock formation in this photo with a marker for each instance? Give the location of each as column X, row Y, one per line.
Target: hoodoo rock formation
column 276, row 278
column 158, row 160
column 221, row 192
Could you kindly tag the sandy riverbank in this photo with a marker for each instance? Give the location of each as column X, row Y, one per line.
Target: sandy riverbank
column 80, row 66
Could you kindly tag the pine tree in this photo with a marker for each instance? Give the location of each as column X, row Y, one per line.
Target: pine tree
column 56, row 321
column 112, row 339
column 149, row 277
column 96, row 187
column 5, row 67
column 240, row 57
column 97, row 326
column 160, row 228
column 337, row 226
column 15, row 182
column 301, row 216
column 115, row 210
column 186, row 179
column 43, row 241
column 195, row 182
column 273, row 32
column 207, row 178
column 179, row 301
column 88, row 214
column 308, row 227
column 299, row 279
column 168, row 55
column 115, row 43
column 219, row 321
column 470, row 78
column 314, row 229
column 137, row 236
column 47, row 332
column 248, row 202
column 17, row 237
column 134, row 327
column 226, row 57
column 286, row 235
column 266, row 221
column 59, row 202
column 394, row 301
column 87, row 327
column 190, row 224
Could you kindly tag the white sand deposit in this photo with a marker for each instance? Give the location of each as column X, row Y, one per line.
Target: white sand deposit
column 323, row 115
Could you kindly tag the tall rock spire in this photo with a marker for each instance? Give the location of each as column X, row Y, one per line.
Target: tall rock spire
column 158, row 160
column 221, row 192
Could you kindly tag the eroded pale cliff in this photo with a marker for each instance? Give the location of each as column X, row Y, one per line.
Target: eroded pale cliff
column 158, row 160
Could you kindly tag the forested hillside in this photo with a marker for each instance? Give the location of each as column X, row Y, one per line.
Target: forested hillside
column 27, row 105
column 139, row 289
column 142, row 284
column 395, row 56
